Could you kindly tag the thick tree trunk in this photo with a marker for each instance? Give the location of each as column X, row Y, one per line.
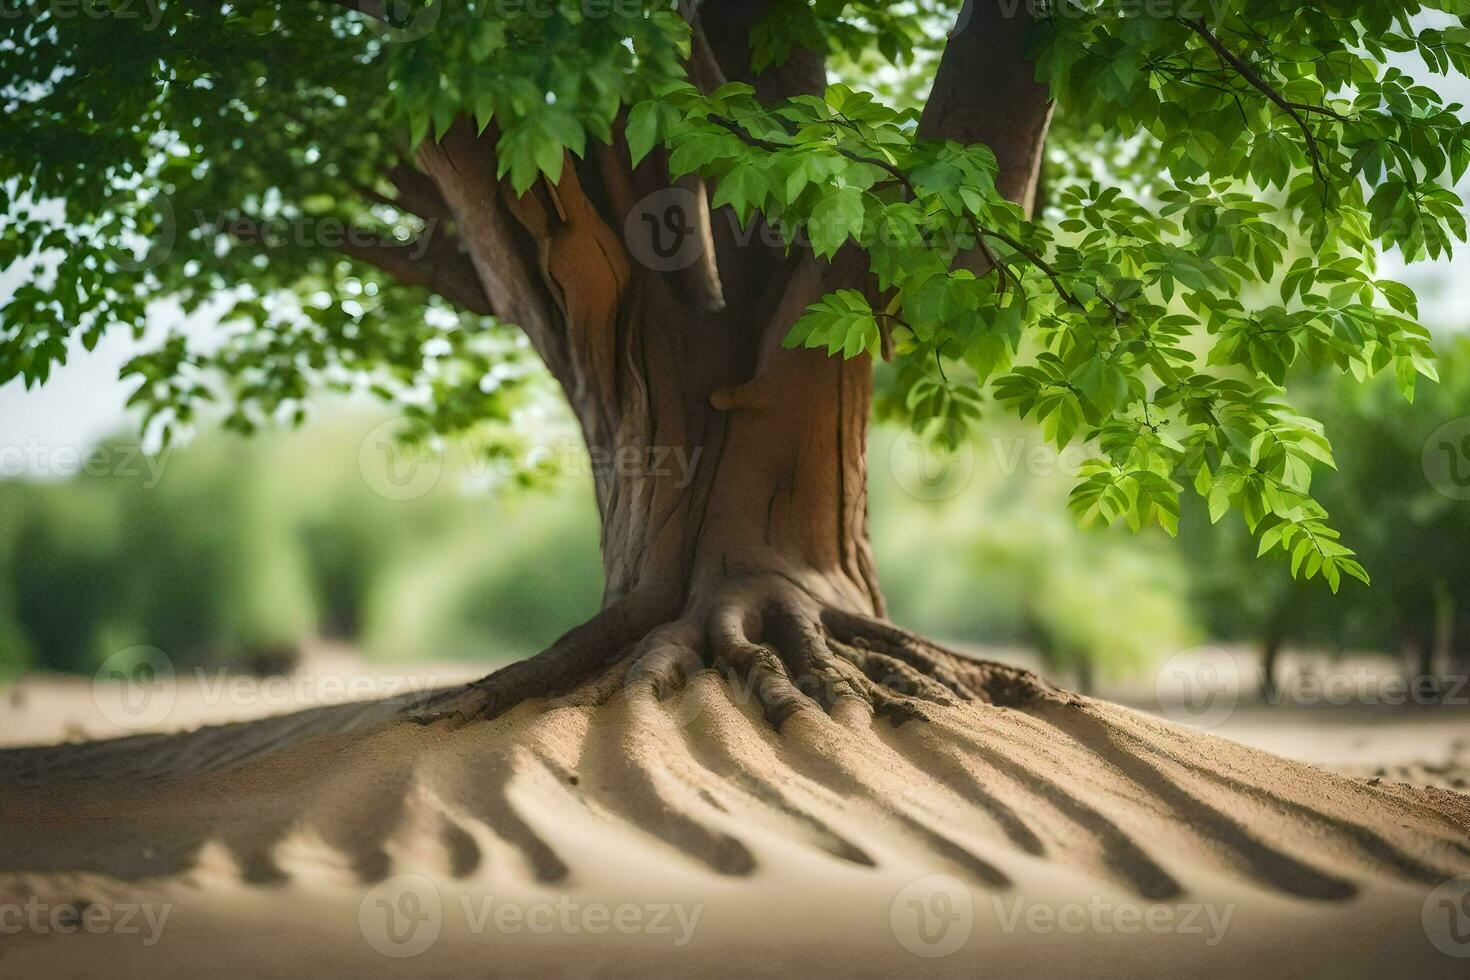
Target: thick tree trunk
column 730, row 471
column 730, row 456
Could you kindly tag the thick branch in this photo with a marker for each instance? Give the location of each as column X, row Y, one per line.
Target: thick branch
column 462, row 166
column 433, row 262
column 440, row 268
column 728, row 24
column 749, row 263
column 704, row 67
column 417, row 194
column 985, row 91
column 988, row 261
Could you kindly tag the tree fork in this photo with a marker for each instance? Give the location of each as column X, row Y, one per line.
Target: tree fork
column 690, row 366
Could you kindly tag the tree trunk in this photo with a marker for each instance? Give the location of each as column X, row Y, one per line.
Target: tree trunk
column 1270, row 658
column 730, row 471
column 730, row 457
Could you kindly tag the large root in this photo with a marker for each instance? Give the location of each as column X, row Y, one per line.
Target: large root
column 760, row 711
column 780, row 648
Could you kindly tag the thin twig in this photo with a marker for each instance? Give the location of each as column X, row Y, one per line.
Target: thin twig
column 1254, row 78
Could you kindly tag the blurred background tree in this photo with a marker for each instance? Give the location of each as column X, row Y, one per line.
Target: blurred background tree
column 1414, row 538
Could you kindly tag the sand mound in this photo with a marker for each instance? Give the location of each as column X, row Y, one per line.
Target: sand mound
column 1047, row 831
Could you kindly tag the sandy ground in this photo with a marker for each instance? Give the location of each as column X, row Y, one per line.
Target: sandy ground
column 560, row 843
column 1421, row 744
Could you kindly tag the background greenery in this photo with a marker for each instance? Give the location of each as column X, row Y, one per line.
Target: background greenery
column 245, row 548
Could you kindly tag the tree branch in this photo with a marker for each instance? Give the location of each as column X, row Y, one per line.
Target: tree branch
column 441, row 268
column 982, row 232
column 1264, row 87
column 985, row 91
column 747, row 263
column 727, row 26
column 704, row 67
column 433, row 261
column 462, row 167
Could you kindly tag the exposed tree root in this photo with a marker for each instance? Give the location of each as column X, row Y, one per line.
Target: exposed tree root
column 780, row 646
column 759, row 713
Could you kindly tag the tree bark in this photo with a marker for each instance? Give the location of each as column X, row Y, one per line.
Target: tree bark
column 771, row 447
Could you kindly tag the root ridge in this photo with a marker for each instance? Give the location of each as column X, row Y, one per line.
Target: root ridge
column 762, row 711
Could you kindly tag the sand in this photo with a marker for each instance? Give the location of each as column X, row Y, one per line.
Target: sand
column 626, row 834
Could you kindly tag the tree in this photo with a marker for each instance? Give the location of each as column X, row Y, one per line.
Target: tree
column 709, row 243
column 1410, row 531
